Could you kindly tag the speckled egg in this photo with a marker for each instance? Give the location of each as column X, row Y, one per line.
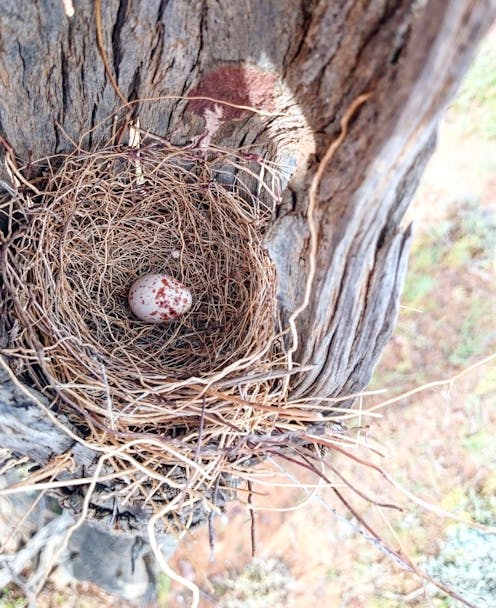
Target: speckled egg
column 158, row 298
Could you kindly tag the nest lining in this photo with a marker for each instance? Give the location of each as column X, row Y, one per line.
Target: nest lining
column 98, row 230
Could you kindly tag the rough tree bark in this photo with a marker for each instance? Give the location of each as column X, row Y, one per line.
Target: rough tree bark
column 308, row 60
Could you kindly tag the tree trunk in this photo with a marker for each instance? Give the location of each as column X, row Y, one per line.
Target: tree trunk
column 304, row 60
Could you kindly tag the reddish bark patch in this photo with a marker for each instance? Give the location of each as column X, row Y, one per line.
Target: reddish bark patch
column 242, row 85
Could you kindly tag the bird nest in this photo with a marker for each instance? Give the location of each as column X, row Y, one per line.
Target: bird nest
column 177, row 408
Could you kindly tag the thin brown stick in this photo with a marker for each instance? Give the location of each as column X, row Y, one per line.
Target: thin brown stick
column 103, row 53
column 253, row 538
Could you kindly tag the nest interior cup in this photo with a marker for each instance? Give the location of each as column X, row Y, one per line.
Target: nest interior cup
column 99, row 228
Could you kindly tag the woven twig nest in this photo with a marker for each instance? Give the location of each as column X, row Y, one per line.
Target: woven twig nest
column 180, row 401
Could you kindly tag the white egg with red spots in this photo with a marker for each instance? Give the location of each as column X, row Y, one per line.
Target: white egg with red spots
column 158, row 298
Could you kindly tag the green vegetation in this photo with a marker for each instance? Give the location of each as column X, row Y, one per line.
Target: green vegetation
column 163, row 591
column 465, row 563
column 478, row 93
column 472, row 336
column 448, row 299
column 480, row 444
column 261, row 584
column 9, row 600
column 465, row 560
column 466, row 241
column 383, row 602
